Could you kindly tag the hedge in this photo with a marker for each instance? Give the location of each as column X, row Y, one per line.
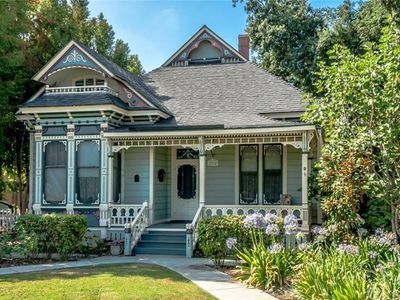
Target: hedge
column 53, row 233
column 215, row 230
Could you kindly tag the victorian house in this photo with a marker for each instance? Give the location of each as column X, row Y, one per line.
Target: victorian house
column 207, row 133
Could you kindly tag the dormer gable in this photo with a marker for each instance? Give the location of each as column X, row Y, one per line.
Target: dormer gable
column 205, row 46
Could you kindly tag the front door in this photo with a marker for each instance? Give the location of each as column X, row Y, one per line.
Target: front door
column 185, row 192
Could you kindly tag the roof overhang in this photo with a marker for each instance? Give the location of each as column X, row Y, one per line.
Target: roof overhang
column 209, row 132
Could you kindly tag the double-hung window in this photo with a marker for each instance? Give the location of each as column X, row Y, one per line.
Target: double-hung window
column 88, row 173
column 55, row 173
column 248, row 174
column 117, row 178
column 263, row 173
column 272, row 173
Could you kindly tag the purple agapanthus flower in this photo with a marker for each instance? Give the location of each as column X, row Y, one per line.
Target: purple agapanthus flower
column 271, row 218
column 255, row 220
column 230, row 243
column 348, row 249
column 272, row 229
column 383, row 238
column 276, row 248
column 291, row 224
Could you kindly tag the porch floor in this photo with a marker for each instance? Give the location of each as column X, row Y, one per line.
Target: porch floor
column 170, row 225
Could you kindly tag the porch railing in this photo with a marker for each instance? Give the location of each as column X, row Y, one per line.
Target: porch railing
column 80, row 89
column 121, row 214
column 135, row 229
column 280, row 210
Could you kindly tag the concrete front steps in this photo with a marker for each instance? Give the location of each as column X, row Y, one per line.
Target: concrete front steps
column 162, row 242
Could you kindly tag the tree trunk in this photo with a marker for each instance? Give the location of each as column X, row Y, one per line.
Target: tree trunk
column 395, row 220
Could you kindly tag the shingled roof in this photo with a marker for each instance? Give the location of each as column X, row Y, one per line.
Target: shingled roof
column 232, row 95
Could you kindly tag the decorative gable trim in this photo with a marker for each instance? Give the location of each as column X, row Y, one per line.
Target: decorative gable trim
column 204, row 33
column 73, row 55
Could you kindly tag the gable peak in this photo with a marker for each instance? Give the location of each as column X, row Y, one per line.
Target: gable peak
column 205, row 46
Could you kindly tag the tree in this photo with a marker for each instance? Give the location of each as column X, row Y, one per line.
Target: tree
column 31, row 33
column 359, row 111
column 103, row 36
column 284, row 36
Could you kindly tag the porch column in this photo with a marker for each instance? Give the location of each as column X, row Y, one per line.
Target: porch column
column 105, row 150
column 71, row 168
column 304, row 181
column 151, row 184
column 38, row 168
column 202, row 171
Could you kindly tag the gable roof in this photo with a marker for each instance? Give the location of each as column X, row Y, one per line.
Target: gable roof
column 232, row 95
column 113, row 70
column 203, row 30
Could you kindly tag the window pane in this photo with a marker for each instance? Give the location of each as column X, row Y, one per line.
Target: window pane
column 90, row 81
column 79, row 82
column 99, row 81
column 88, row 154
column 88, row 172
column 117, row 177
column 248, row 174
column 55, row 172
column 272, row 173
column 186, row 182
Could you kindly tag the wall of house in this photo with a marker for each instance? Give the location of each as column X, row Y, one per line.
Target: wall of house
column 220, row 180
column 294, row 173
column 136, row 162
column 162, row 207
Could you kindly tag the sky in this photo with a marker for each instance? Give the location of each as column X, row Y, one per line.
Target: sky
column 155, row 29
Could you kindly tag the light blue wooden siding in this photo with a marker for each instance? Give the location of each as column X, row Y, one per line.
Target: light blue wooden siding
column 136, row 163
column 220, row 180
column 162, row 193
column 294, row 174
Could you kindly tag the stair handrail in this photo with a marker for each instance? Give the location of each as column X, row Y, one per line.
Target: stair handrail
column 194, row 226
column 135, row 229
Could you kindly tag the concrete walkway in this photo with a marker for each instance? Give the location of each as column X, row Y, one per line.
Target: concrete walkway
column 218, row 284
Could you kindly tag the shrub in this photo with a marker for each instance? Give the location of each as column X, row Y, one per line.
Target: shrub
column 213, row 233
column 333, row 273
column 266, row 268
column 91, row 244
column 386, row 285
column 53, row 233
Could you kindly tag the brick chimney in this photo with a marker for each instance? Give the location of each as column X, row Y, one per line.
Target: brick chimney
column 244, row 45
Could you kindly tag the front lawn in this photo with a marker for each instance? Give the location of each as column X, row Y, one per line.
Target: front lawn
column 117, row 281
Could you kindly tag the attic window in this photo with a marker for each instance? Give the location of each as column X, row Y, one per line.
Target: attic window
column 205, row 52
column 89, row 82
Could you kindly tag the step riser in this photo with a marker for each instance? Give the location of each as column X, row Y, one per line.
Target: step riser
column 162, row 243
column 151, row 237
column 160, row 251
column 143, row 244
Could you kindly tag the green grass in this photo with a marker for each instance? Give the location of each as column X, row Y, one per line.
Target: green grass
column 117, row 281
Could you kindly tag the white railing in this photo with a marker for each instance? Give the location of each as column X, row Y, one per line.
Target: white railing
column 135, row 229
column 7, row 221
column 121, row 214
column 195, row 225
column 80, row 89
column 280, row 210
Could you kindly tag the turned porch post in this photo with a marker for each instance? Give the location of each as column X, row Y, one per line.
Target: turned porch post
column 304, row 181
column 202, row 171
column 151, row 184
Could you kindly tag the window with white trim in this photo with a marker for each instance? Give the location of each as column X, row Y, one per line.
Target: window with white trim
column 248, row 174
column 89, row 82
column 55, row 173
column 88, row 173
column 272, row 173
